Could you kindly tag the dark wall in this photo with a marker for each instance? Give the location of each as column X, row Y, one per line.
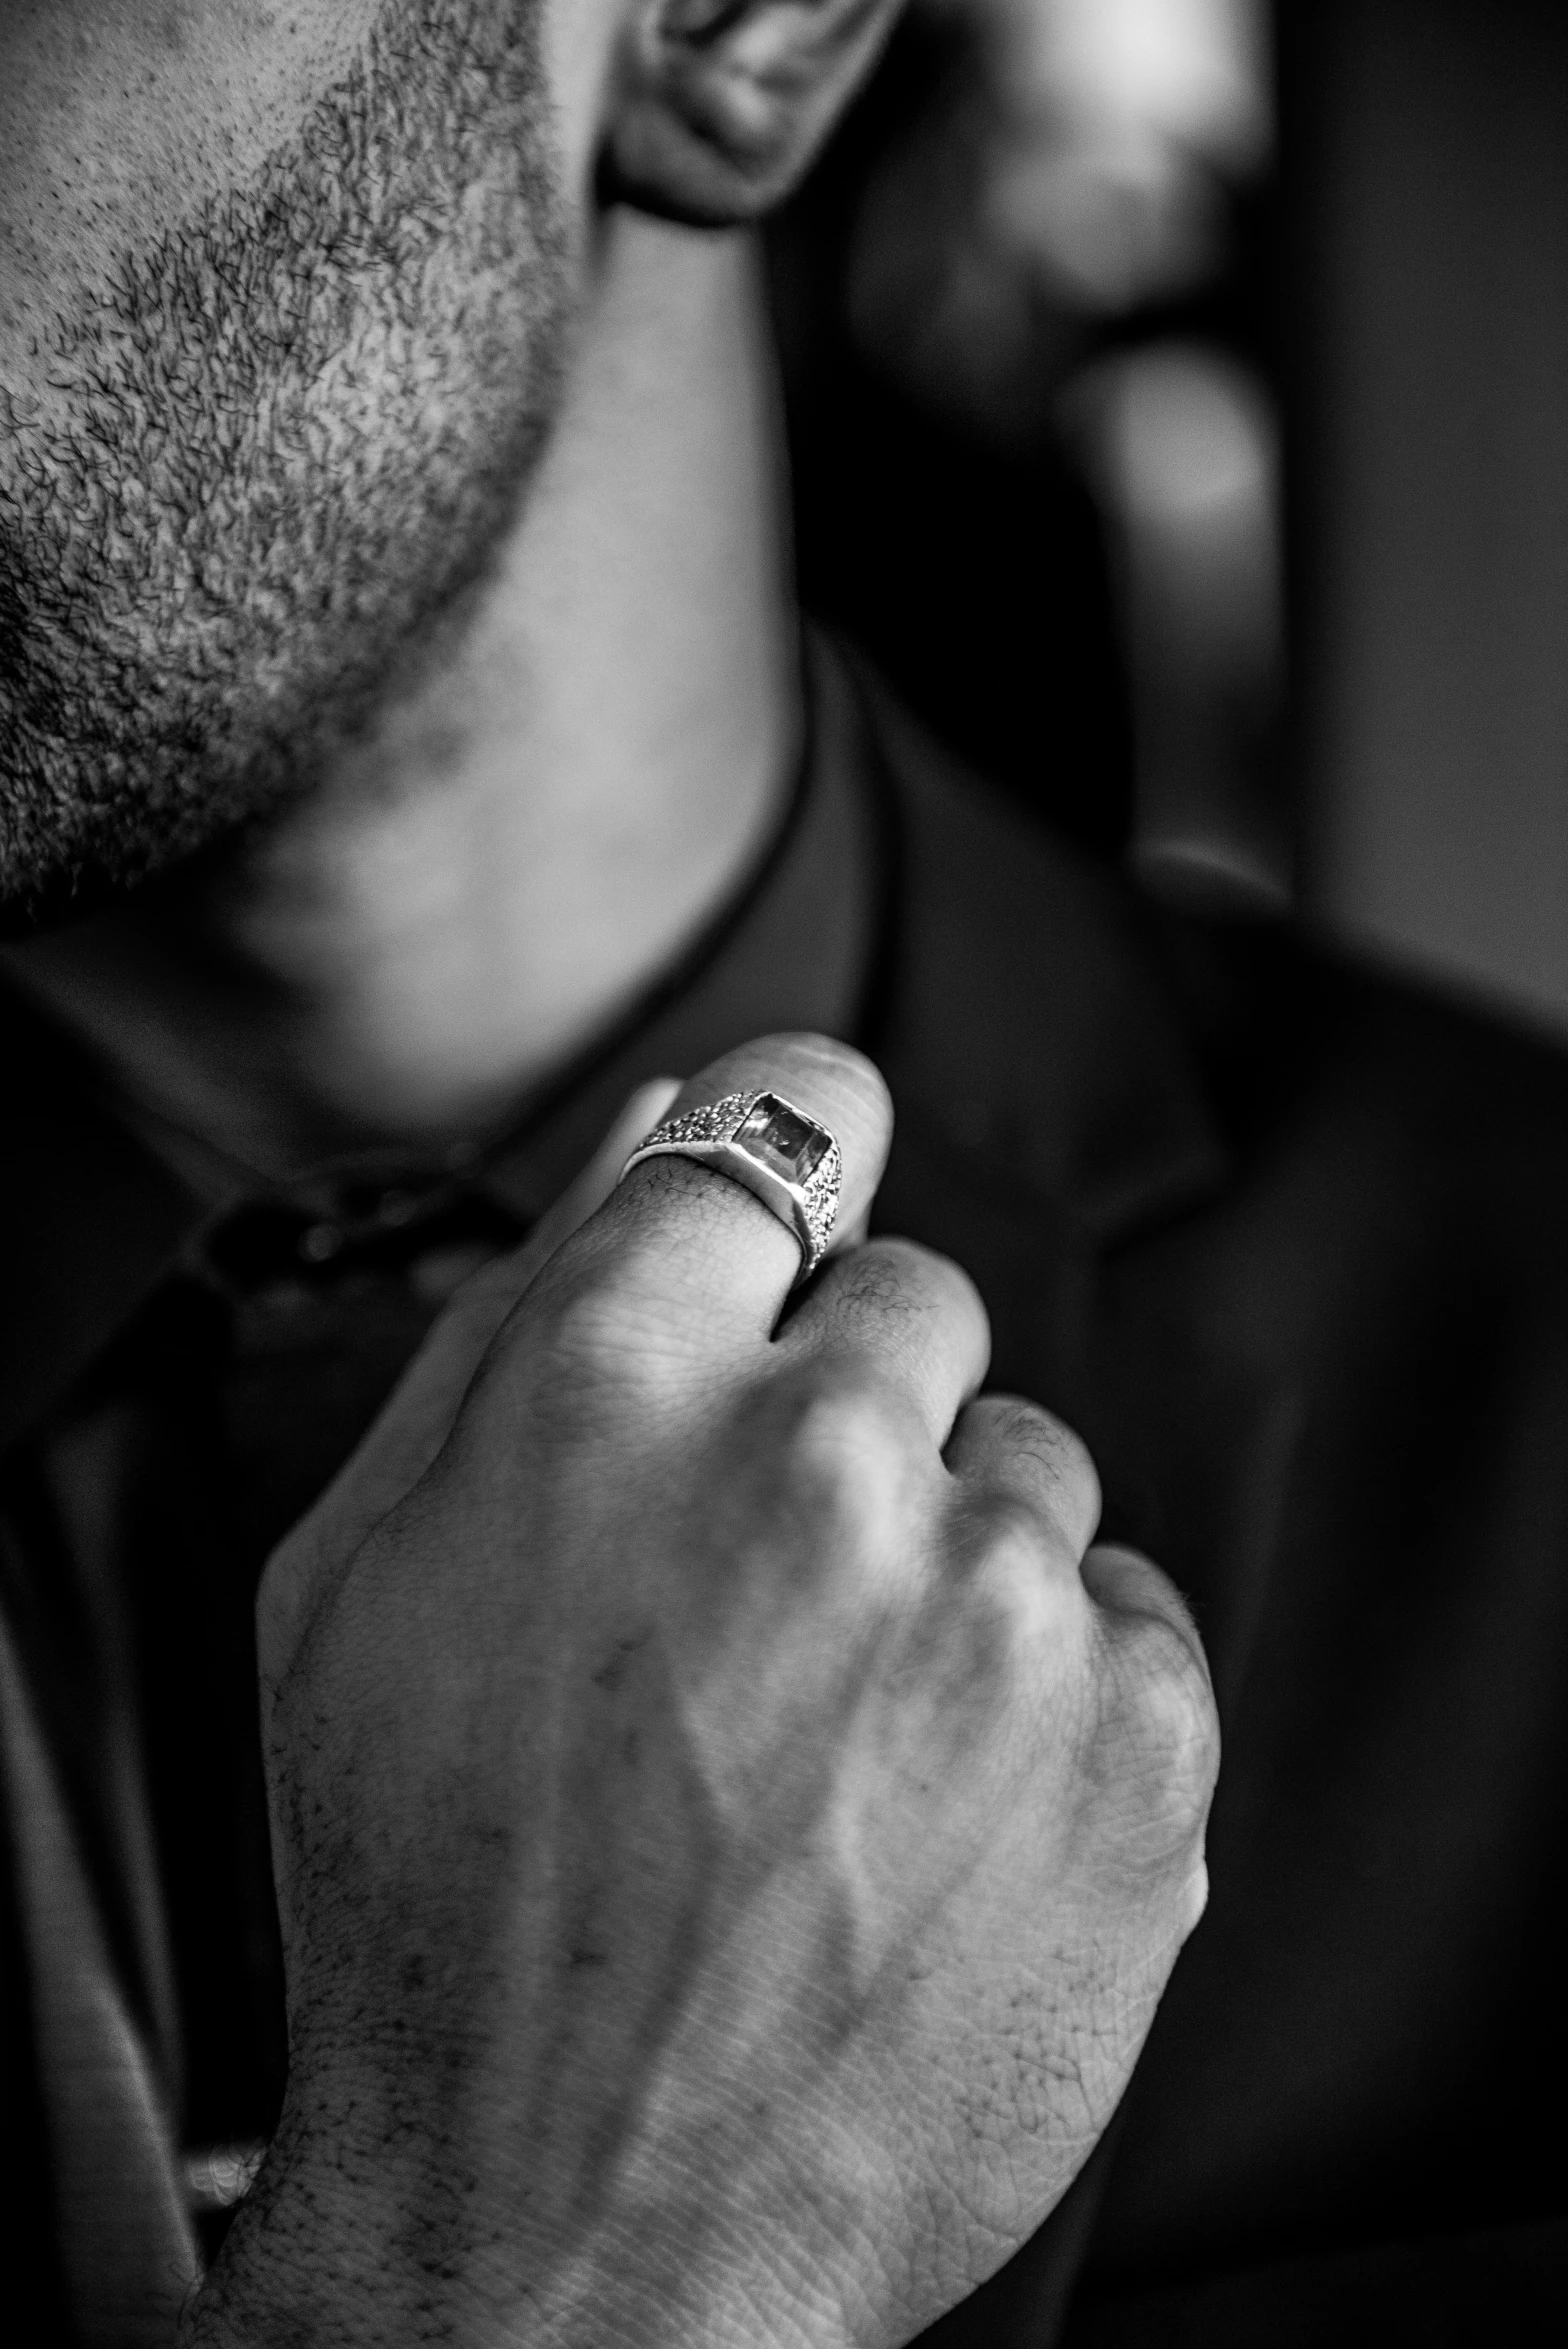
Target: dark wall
column 1427, row 168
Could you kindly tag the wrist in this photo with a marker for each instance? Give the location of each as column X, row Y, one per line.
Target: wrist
column 331, row 2251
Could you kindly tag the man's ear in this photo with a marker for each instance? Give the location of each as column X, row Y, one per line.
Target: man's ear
column 718, row 106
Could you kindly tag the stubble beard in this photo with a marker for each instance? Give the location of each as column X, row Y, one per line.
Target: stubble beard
column 293, row 433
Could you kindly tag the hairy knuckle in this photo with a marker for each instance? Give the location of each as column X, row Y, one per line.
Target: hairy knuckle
column 1072, row 1470
column 1062, row 1469
column 877, row 1279
column 897, row 1277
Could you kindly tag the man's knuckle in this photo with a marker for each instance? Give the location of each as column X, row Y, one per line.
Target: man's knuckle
column 843, row 1415
column 998, row 1645
column 1177, row 1724
column 1060, row 1463
column 1066, row 1456
column 877, row 1279
column 1008, row 1545
column 1011, row 1600
column 839, row 1454
column 893, row 1277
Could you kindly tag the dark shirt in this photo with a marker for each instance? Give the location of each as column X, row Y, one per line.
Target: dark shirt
column 1283, row 1241
column 188, row 1358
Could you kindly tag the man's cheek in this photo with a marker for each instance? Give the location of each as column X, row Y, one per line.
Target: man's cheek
column 120, row 119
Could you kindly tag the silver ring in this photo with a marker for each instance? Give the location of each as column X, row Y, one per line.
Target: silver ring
column 778, row 1153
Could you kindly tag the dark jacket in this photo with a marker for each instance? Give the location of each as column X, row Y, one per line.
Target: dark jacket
column 1286, row 1242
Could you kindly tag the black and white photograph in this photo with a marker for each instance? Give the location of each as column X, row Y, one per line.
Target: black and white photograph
column 783, row 1174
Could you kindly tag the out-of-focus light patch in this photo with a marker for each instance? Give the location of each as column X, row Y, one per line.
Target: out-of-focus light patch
column 1196, row 72
column 1116, row 126
column 1185, row 439
column 1111, row 215
column 1181, row 445
column 218, row 2176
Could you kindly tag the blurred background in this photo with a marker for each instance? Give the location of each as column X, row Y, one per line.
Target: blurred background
column 1178, row 392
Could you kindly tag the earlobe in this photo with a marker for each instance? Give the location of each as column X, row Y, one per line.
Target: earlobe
column 719, row 105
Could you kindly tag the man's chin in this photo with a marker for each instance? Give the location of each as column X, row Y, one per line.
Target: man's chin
column 36, row 905
column 127, row 868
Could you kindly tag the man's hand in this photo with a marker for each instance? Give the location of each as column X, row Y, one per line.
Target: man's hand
column 731, row 1832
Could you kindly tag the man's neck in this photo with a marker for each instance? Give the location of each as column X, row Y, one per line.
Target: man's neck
column 533, row 830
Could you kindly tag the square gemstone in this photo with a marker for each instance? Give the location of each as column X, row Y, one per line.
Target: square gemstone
column 784, row 1140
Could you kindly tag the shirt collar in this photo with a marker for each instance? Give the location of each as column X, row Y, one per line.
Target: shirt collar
column 1066, row 1044
column 1029, row 1022
column 92, row 1217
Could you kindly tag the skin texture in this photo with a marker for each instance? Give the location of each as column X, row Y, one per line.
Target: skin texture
column 574, row 762
column 491, row 871
column 864, row 1801
column 730, row 1829
column 335, row 376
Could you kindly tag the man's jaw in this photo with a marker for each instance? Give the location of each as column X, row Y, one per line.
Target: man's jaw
column 276, row 447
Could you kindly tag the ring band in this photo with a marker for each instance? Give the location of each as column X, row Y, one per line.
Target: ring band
column 778, row 1153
